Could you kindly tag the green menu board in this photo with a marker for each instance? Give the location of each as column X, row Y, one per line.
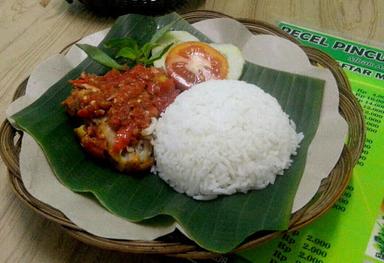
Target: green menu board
column 353, row 230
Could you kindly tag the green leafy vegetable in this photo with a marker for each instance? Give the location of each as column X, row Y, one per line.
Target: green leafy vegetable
column 156, row 57
column 122, row 42
column 100, row 56
column 128, row 48
column 218, row 225
column 127, row 52
column 146, row 49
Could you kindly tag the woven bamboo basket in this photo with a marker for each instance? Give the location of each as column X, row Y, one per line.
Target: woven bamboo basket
column 175, row 244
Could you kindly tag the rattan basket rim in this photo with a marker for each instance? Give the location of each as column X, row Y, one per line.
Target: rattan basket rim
column 335, row 182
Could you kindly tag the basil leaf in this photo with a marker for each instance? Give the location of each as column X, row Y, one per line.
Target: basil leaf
column 100, row 56
column 146, row 49
column 122, row 42
column 154, row 58
column 127, row 52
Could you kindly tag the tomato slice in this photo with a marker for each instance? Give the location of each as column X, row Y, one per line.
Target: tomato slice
column 193, row 62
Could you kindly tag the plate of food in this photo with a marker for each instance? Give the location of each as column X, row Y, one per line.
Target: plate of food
column 184, row 140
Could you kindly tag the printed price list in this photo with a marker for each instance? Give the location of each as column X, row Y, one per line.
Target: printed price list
column 311, row 250
column 373, row 107
column 284, row 248
column 342, row 203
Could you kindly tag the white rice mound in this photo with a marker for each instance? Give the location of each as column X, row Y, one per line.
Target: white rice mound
column 221, row 137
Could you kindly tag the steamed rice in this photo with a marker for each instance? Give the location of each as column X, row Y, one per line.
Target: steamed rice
column 222, row 137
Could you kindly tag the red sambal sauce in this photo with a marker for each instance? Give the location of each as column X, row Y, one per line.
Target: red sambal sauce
column 129, row 99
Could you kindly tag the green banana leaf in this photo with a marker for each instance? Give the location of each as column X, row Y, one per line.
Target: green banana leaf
column 218, row 225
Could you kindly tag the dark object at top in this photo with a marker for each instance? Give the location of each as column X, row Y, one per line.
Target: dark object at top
column 120, row 7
